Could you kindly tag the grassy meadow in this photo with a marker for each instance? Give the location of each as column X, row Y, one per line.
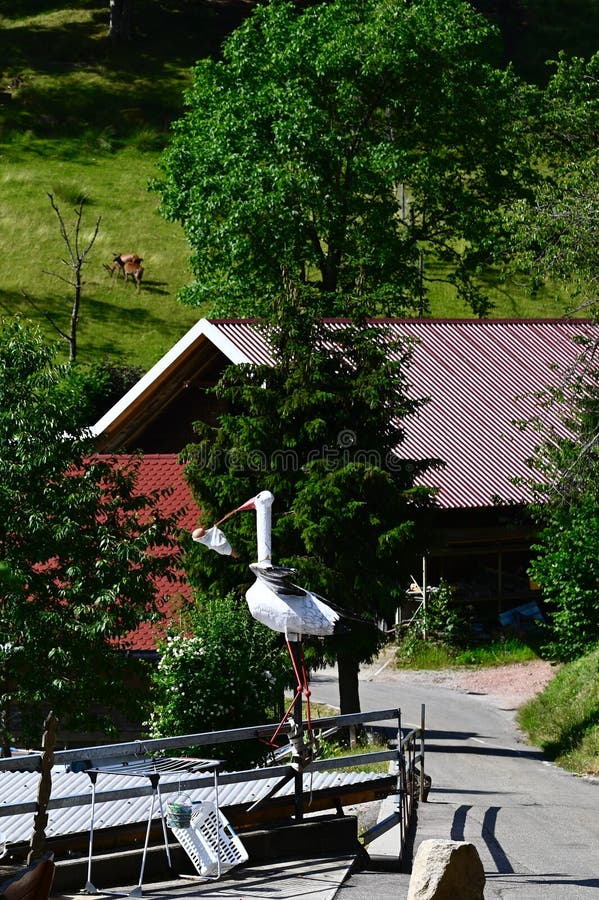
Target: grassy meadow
column 80, row 118
column 86, row 120
column 116, row 321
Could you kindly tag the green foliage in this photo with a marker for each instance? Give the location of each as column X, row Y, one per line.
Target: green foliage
column 338, row 146
column 74, row 537
column 101, row 385
column 567, row 570
column 414, row 652
column 221, row 670
column 440, row 636
column 440, row 616
column 435, row 632
column 564, row 719
column 566, row 489
column 499, row 652
column 554, row 230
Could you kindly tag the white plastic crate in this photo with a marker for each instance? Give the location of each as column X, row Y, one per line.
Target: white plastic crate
column 211, row 838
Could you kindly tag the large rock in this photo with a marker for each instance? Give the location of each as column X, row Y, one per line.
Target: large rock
column 447, row 870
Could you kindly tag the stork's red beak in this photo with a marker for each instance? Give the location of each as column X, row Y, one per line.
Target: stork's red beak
column 249, row 504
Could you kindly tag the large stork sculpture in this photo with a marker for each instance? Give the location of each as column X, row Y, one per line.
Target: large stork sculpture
column 275, row 601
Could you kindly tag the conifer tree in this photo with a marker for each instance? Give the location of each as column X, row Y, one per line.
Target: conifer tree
column 321, row 429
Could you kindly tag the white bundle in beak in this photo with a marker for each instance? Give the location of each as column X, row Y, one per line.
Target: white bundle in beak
column 214, row 539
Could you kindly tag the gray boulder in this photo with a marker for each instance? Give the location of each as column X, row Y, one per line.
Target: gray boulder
column 447, row 870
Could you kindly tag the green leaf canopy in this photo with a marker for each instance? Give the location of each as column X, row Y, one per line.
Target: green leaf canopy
column 81, row 547
column 340, row 145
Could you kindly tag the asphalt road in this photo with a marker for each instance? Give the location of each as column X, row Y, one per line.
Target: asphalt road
column 535, row 826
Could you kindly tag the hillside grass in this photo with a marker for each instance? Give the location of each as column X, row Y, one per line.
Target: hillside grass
column 88, row 121
column 564, row 719
column 84, row 119
column 117, row 321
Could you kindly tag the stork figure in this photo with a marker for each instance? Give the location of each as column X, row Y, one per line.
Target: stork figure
column 275, row 601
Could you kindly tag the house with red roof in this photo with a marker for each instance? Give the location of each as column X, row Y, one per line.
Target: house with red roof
column 482, row 378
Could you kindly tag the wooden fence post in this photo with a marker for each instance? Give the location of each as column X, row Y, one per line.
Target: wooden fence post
column 40, row 820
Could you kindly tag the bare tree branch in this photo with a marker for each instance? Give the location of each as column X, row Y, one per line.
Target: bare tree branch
column 77, row 257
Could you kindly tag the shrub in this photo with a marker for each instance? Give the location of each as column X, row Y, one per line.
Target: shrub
column 567, row 568
column 436, row 630
column 221, row 670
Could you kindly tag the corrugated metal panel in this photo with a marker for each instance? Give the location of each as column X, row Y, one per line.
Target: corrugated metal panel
column 481, row 377
column 248, row 338
column 19, row 787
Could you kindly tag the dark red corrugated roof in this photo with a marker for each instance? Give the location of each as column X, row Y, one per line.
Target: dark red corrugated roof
column 481, row 376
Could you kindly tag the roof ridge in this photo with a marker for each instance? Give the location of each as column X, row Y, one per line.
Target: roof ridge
column 424, row 320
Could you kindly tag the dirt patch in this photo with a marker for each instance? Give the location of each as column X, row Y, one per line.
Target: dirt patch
column 518, row 682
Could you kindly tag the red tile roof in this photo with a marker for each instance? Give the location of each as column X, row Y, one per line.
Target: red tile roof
column 158, row 471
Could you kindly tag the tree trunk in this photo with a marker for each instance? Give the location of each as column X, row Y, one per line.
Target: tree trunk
column 349, row 692
column 75, row 313
column 120, row 21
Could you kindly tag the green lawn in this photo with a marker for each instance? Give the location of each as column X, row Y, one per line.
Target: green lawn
column 87, row 120
column 116, row 321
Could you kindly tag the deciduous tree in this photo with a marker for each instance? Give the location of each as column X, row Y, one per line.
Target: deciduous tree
column 77, row 254
column 80, row 543
column 567, row 509
column 554, row 232
column 345, row 146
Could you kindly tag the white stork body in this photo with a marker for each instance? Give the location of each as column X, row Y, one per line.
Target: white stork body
column 279, row 604
column 273, row 599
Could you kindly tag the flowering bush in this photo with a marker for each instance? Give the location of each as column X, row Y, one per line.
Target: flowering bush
column 221, row 670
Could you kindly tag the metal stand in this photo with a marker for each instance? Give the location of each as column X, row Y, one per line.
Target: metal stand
column 151, row 769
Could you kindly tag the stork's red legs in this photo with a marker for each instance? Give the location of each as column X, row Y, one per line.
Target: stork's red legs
column 302, row 688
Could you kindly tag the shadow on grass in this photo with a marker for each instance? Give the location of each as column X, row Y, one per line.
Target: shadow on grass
column 156, row 287
column 571, row 737
column 113, row 92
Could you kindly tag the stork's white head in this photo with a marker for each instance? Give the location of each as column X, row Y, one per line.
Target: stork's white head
column 264, row 498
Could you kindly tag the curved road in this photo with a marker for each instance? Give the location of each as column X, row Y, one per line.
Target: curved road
column 535, row 826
